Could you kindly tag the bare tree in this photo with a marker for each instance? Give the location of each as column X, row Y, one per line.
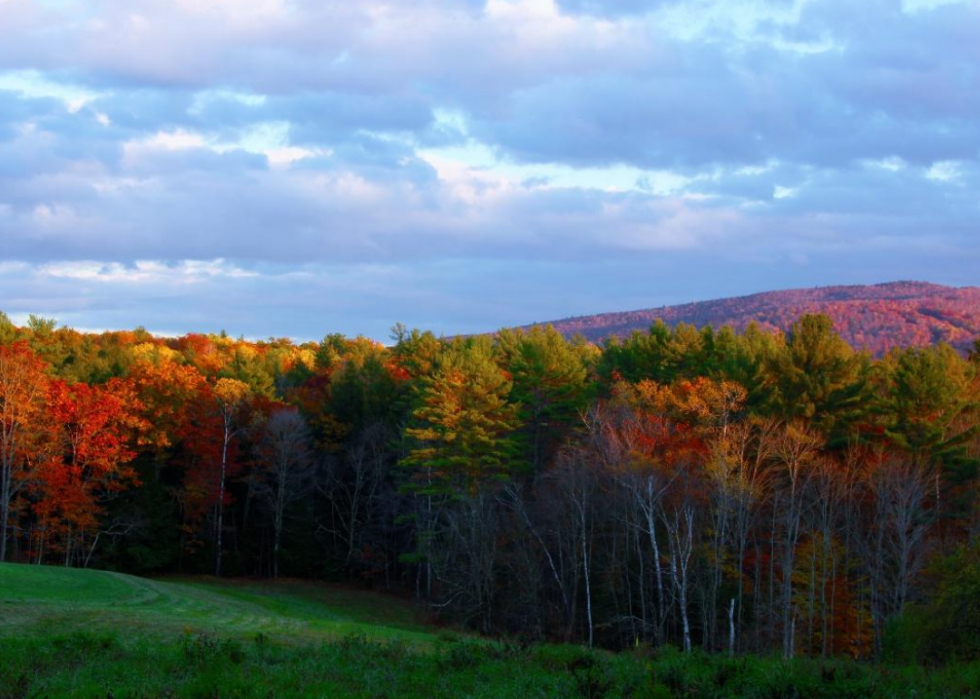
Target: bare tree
column 576, row 483
column 834, row 481
column 465, row 557
column 288, row 468
column 898, row 521
column 353, row 487
column 230, row 396
column 515, row 498
column 679, row 520
column 647, row 490
column 795, row 450
column 738, row 480
column 621, row 442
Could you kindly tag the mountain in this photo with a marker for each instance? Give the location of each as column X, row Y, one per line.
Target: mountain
column 876, row 317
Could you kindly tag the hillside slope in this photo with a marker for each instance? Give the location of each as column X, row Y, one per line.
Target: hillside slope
column 48, row 598
column 874, row 317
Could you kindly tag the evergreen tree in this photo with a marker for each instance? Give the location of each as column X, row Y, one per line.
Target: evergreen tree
column 819, row 379
column 931, row 408
column 463, row 424
column 550, row 384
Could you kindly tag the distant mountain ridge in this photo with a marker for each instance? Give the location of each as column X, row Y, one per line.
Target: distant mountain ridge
column 876, row 317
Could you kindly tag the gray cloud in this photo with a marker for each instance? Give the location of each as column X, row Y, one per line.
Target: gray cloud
column 463, row 165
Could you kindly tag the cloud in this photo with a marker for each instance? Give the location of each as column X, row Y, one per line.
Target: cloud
column 143, row 271
column 274, row 161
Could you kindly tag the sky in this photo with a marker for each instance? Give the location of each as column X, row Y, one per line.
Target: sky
column 301, row 167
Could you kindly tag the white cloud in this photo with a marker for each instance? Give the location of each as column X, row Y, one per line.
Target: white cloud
column 892, row 164
column 944, row 171
column 270, row 139
column 55, row 216
column 689, row 20
column 33, row 84
column 479, row 162
column 205, row 98
column 267, row 139
column 144, row 271
column 170, row 140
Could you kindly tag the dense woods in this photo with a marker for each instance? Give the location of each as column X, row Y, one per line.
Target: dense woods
column 877, row 318
column 737, row 492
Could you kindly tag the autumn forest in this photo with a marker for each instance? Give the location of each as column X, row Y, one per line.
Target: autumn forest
column 736, row 492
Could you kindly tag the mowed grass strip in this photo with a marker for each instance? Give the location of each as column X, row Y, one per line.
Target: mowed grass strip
column 46, row 599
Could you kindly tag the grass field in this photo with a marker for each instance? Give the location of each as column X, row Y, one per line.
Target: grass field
column 41, row 599
column 79, row 633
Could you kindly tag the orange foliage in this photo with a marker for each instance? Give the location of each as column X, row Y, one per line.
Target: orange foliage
column 92, row 427
column 164, row 388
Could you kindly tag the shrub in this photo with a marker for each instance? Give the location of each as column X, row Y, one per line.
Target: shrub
column 948, row 627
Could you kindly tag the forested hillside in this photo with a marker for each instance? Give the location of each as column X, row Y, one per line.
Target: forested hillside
column 749, row 492
column 877, row 318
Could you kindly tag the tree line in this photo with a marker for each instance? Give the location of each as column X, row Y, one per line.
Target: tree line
column 740, row 492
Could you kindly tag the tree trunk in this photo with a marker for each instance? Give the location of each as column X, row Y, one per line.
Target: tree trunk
column 588, row 577
column 221, row 498
column 4, row 509
column 731, row 628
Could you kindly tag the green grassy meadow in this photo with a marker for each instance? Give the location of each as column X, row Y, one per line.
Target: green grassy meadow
column 82, row 633
column 37, row 600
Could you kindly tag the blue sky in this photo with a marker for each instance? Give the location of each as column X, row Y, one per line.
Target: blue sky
column 298, row 167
